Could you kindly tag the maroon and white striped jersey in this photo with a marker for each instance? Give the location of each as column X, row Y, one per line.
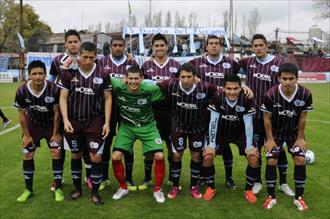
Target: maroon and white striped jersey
column 286, row 112
column 153, row 71
column 260, row 77
column 85, row 99
column 55, row 69
column 214, row 72
column 231, row 123
column 189, row 112
column 39, row 108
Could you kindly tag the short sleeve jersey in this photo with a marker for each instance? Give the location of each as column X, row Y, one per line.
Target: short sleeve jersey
column 286, row 112
column 188, row 109
column 85, row 99
column 231, row 123
column 214, row 73
column 136, row 108
column 260, row 77
column 39, row 108
column 55, row 69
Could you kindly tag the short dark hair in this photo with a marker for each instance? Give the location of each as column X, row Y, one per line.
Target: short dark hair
column 71, row 32
column 135, row 69
column 288, row 67
column 159, row 36
column 188, row 67
column 36, row 64
column 88, row 46
column 119, row 38
column 259, row 36
column 232, row 78
column 214, row 37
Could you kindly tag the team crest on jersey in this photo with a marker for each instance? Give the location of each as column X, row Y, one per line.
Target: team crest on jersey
column 299, row 102
column 200, row 95
column 274, row 68
column 74, row 80
column 27, row 100
column 277, row 105
column 253, row 66
column 176, row 94
column 142, row 101
column 93, row 145
column 197, row 144
column 203, row 65
column 107, row 67
column 49, row 99
column 226, row 65
column 150, row 70
column 97, row 80
column 158, row 141
column 173, row 70
column 239, row 108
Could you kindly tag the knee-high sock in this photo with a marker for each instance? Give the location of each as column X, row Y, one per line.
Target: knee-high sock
column 57, row 171
column 96, row 175
column 76, row 169
column 118, row 170
column 195, row 170
column 271, row 176
column 176, row 172
column 129, row 161
column 209, row 173
column 28, row 172
column 299, row 179
column 87, row 161
column 159, row 172
column 228, row 162
column 282, row 166
column 106, row 157
column 251, row 176
column 147, row 168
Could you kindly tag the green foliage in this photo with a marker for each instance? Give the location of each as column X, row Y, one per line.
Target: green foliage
column 227, row 204
column 35, row 31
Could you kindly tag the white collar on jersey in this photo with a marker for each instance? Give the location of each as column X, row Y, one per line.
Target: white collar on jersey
column 231, row 103
column 186, row 91
column 214, row 62
column 32, row 92
column 87, row 73
column 118, row 62
column 265, row 60
column 165, row 63
column 289, row 99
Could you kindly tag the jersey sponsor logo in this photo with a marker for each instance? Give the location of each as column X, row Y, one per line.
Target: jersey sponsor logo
column 39, row 108
column 85, row 90
column 299, row 102
column 97, row 80
column 49, row 99
column 173, row 69
column 176, row 94
column 27, row 100
column 239, row 108
column 215, row 74
column 187, row 105
column 274, row 68
column 287, row 113
column 253, row 66
column 93, row 145
column 122, row 98
column 114, row 75
column 142, row 101
column 262, row 77
column 226, row 65
column 158, row 141
column 277, row 105
column 159, row 77
column 131, row 109
column 200, row 95
column 203, row 65
column 197, row 144
column 150, row 70
column 231, row 118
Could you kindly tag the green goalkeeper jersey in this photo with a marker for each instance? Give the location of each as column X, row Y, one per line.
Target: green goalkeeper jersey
column 136, row 108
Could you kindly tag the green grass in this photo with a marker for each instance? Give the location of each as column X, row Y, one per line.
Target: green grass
column 227, row 204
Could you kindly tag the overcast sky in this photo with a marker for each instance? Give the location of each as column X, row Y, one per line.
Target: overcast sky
column 65, row 14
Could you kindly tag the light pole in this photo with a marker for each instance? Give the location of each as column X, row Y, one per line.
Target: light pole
column 21, row 51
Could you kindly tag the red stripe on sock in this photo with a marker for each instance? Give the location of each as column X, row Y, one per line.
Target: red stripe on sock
column 118, row 169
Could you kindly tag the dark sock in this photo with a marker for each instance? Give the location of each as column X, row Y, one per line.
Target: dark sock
column 228, row 162
column 96, row 175
column 195, row 170
column 76, row 168
column 147, row 168
column 88, row 162
column 170, row 162
column 129, row 161
column 28, row 172
column 209, row 176
column 271, row 176
column 176, row 172
column 57, row 172
column 62, row 156
column 106, row 157
column 282, row 166
column 251, row 174
column 299, row 178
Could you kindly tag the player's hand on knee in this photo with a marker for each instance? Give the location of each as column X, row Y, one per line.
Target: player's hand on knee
column 270, row 144
column 26, row 140
column 105, row 131
column 300, row 142
column 56, row 138
column 208, row 151
column 253, row 151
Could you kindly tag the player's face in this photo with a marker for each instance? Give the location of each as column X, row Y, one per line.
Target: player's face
column 213, row 47
column 288, row 81
column 187, row 79
column 160, row 48
column 232, row 90
column 72, row 44
column 87, row 60
column 259, row 47
column 133, row 81
column 117, row 48
column 37, row 76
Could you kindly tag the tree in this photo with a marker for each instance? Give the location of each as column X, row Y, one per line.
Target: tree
column 244, row 24
column 193, row 19
column 35, row 31
column 168, row 19
column 253, row 22
column 323, row 9
column 179, row 21
column 225, row 16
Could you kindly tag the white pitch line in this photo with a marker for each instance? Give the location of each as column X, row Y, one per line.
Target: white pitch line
column 319, row 121
column 10, row 129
